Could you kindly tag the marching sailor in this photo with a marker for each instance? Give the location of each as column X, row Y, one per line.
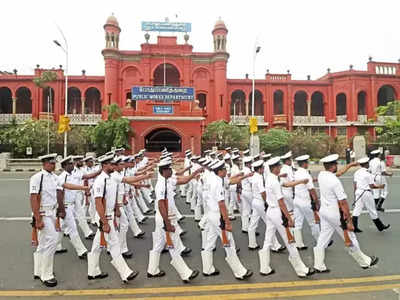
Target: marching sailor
column 378, row 169
column 278, row 219
column 219, row 225
column 364, row 185
column 166, row 221
column 335, row 216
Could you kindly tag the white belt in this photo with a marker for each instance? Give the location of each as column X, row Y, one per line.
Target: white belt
column 69, row 204
column 48, row 207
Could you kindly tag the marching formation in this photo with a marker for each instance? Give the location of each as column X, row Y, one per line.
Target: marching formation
column 116, row 195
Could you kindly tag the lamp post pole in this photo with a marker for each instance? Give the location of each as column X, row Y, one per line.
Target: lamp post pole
column 256, row 50
column 65, row 49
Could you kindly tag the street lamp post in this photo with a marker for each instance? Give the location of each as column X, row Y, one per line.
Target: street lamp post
column 252, row 142
column 65, row 49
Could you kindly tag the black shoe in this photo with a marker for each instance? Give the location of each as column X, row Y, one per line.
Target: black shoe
column 181, row 219
column 381, row 209
column 232, row 218
column 139, row 235
column 244, row 231
column 215, row 273
column 237, row 250
column 280, row 250
column 310, row 271
column 132, row 276
column 322, row 271
column 379, row 225
column 330, row 243
column 257, row 233
column 374, row 261
column 159, row 274
column 254, row 248
column 66, row 235
column 302, row 248
column 100, row 276
column 149, row 212
column 90, row 236
column 36, row 277
column 143, row 220
column 186, row 251
column 194, row 274
column 128, row 254
column 83, row 255
column 266, row 274
column 165, row 250
column 357, row 230
column 355, row 224
column 248, row 274
column 197, row 221
column 61, row 251
column 182, row 233
column 50, row 283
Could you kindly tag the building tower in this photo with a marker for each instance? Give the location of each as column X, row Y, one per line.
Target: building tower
column 111, row 55
column 220, row 109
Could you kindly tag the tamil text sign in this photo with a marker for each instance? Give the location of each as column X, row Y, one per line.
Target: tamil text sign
column 166, row 26
column 162, row 93
column 163, row 110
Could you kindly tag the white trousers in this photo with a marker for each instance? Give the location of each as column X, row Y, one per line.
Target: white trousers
column 245, row 205
column 136, row 210
column 302, row 210
column 288, row 198
column 80, row 214
column 380, row 193
column 68, row 226
column 365, row 199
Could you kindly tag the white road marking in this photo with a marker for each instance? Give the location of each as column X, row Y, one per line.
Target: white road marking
column 393, row 210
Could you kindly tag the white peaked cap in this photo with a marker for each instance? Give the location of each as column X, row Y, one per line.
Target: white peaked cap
column 273, row 161
column 287, row 155
column 363, row 160
column 302, row 157
column 257, row 163
column 330, row 158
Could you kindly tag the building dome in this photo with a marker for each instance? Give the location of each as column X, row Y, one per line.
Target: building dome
column 112, row 20
column 219, row 24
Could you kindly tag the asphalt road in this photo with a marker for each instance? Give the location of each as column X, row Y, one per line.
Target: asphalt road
column 345, row 281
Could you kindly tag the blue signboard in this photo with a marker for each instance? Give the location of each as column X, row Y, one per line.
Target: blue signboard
column 163, row 110
column 162, row 93
column 166, row 26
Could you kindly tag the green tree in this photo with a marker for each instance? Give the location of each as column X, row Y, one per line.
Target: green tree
column 114, row 132
column 389, row 133
column 275, row 141
column 222, row 134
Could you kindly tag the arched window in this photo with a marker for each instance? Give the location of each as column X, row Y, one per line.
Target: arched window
column 74, row 101
column 159, row 138
column 361, row 103
column 24, row 101
column 317, row 104
column 5, row 101
column 341, row 103
column 202, row 100
column 238, row 103
column 168, row 74
column 92, row 101
column 278, row 102
column 133, row 102
column 300, row 103
column 48, row 100
column 386, row 94
column 258, row 104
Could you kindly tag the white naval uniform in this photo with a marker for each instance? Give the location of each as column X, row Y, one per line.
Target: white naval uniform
column 302, row 207
column 162, row 191
column 106, row 185
column 377, row 167
column 68, row 224
column 205, row 179
column 287, row 191
column 217, row 194
column 332, row 192
column 274, row 223
column 185, row 188
column 80, row 206
column 92, row 205
column 45, row 183
column 363, row 195
column 140, row 195
column 246, row 198
column 133, row 197
column 233, row 189
column 258, row 211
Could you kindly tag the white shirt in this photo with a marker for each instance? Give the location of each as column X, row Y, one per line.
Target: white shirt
column 49, row 187
column 234, row 172
column 257, row 185
column 375, row 166
column 331, row 189
column 246, row 183
column 363, row 179
column 217, row 193
column 117, row 176
column 163, row 191
column 110, row 184
column 69, row 195
column 285, row 169
column 266, row 170
column 186, row 164
column 301, row 191
column 274, row 190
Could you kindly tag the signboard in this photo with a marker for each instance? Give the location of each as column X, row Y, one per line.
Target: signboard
column 162, row 93
column 28, row 150
column 167, row 26
column 163, row 110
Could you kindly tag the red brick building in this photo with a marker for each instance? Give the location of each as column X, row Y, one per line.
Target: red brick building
column 339, row 103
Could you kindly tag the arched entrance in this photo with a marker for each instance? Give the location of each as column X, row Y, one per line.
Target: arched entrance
column 159, row 138
column 238, row 103
column 300, row 103
column 386, row 94
column 24, row 101
column 317, row 104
